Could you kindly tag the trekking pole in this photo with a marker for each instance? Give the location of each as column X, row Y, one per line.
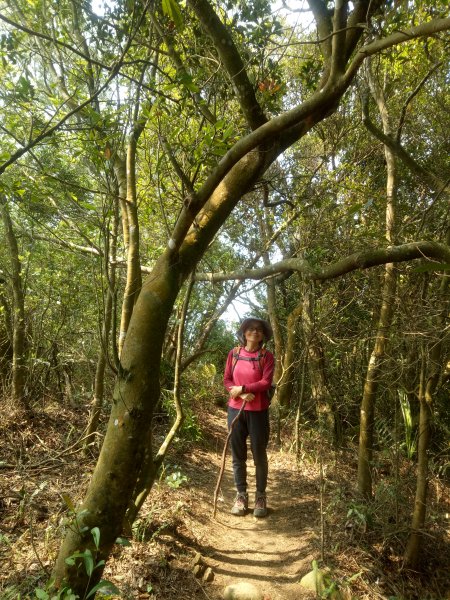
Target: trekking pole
column 224, row 453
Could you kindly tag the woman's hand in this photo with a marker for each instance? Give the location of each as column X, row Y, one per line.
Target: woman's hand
column 235, row 391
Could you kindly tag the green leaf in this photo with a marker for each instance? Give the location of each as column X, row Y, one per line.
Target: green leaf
column 70, row 560
column 88, row 562
column 41, row 594
column 188, row 83
column 172, row 10
column 96, row 536
column 104, row 587
column 123, row 541
column 228, row 132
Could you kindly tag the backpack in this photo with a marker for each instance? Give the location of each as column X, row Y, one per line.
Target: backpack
column 260, row 358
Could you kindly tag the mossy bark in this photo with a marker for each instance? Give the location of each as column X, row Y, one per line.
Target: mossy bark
column 428, row 386
column 19, row 367
column 316, row 365
column 377, row 358
column 137, row 390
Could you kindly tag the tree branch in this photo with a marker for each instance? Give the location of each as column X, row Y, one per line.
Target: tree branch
column 182, row 71
column 178, row 170
column 358, row 260
column 338, row 42
column 412, row 95
column 322, row 17
column 399, row 37
column 302, row 117
column 47, row 131
column 232, row 61
column 396, row 147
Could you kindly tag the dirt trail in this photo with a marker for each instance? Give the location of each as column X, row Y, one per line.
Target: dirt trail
column 272, row 553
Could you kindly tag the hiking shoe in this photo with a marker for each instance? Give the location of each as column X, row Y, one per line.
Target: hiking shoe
column 240, row 505
column 260, row 509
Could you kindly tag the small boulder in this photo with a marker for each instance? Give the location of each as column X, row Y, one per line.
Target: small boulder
column 313, row 581
column 242, row 591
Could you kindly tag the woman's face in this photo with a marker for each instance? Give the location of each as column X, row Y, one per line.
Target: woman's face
column 254, row 332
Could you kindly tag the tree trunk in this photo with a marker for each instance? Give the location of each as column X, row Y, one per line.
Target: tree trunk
column 412, row 552
column 134, row 278
column 290, row 359
column 426, row 393
column 110, row 276
column 316, row 364
column 136, row 392
column 137, row 389
column 19, row 368
column 374, row 369
column 265, row 234
column 151, row 466
column 299, row 412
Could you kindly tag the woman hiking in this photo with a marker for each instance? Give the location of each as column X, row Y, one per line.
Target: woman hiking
column 248, row 378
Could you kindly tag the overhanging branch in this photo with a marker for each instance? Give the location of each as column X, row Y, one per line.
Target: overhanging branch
column 321, row 102
column 398, row 37
column 359, row 260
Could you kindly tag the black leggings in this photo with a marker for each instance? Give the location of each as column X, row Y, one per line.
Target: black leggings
column 256, row 425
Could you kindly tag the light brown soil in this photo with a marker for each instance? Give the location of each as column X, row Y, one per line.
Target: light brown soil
column 42, row 469
column 272, row 553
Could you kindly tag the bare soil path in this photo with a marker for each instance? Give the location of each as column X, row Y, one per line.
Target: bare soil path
column 174, row 525
column 40, row 466
column 272, row 553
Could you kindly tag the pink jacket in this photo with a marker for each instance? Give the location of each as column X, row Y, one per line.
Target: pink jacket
column 248, row 373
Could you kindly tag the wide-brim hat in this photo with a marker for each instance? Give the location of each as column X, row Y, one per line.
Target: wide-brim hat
column 266, row 327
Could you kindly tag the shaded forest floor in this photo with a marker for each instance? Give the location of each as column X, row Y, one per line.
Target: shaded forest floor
column 43, row 470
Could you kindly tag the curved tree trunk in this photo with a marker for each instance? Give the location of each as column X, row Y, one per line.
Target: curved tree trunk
column 151, row 466
column 19, row 367
column 137, row 389
column 136, row 392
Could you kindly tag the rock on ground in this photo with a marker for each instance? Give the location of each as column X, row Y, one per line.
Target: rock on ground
column 242, row 591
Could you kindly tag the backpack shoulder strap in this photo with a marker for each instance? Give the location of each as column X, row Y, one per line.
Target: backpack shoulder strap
column 236, row 352
column 262, row 356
